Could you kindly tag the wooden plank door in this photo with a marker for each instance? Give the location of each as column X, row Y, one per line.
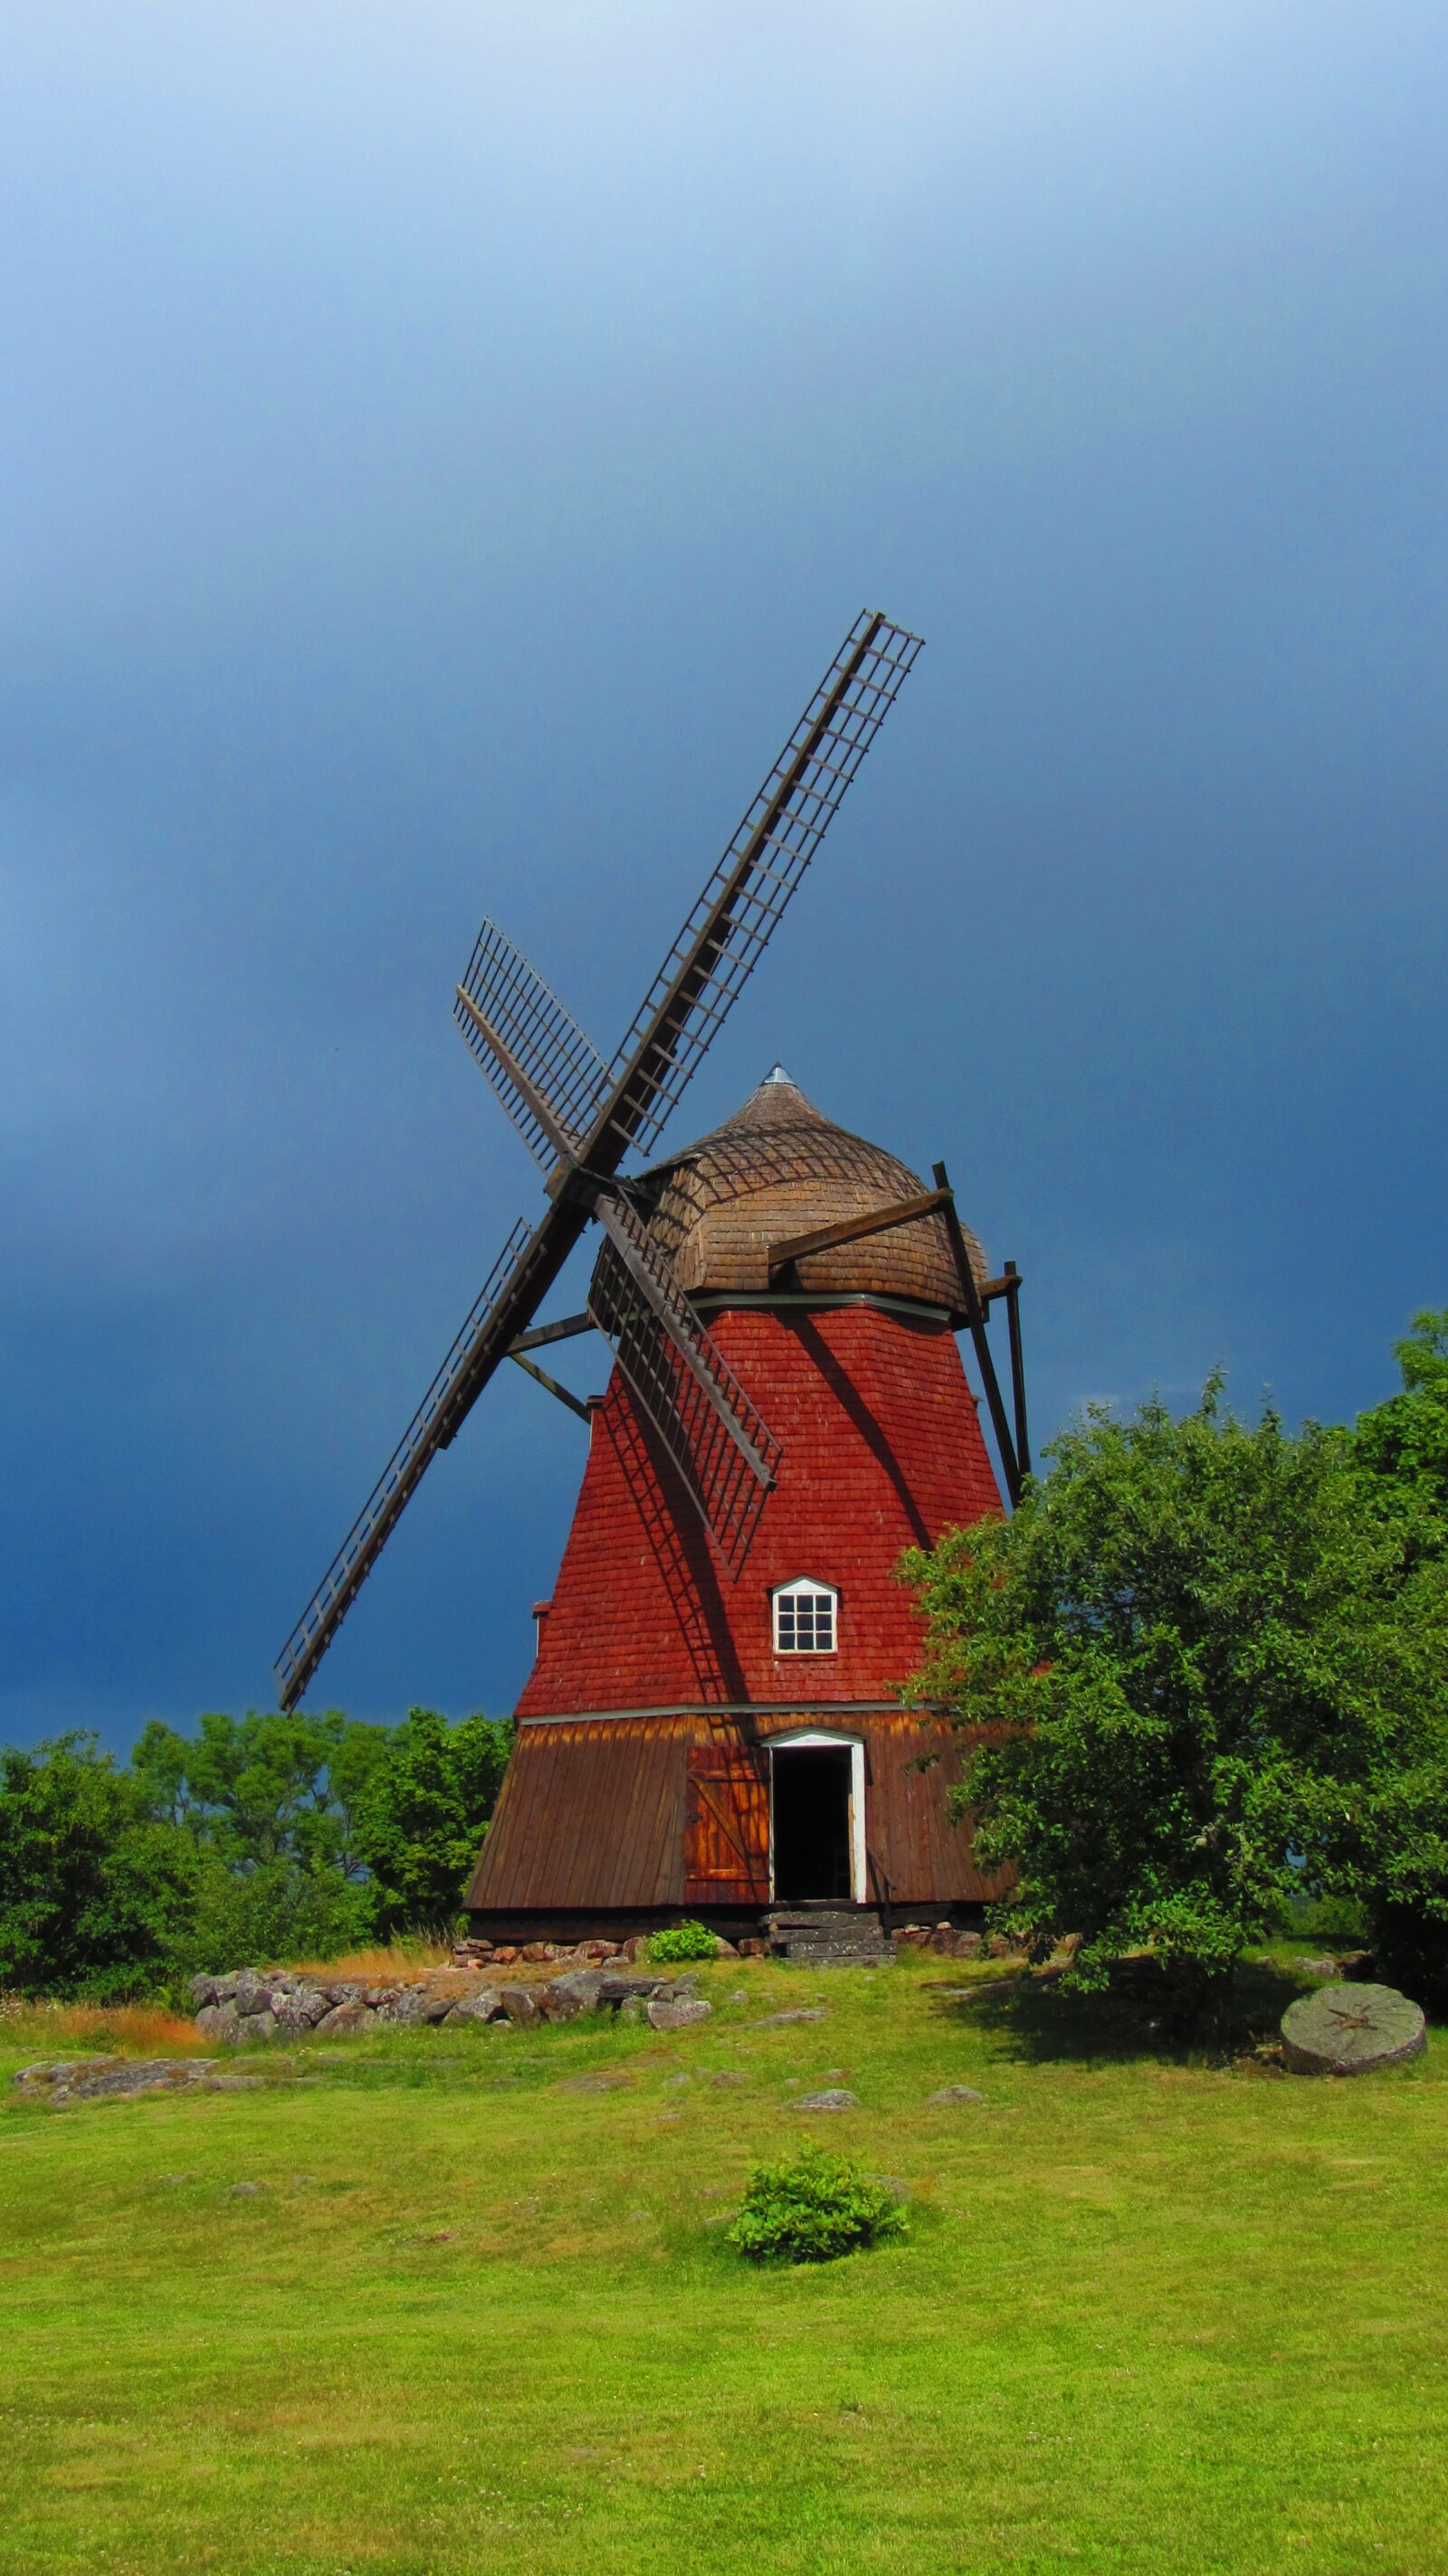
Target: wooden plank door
column 726, row 1833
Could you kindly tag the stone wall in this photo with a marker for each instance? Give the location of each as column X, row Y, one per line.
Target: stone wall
column 286, row 2003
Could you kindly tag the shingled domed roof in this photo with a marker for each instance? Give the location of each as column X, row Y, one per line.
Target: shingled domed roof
column 777, row 1168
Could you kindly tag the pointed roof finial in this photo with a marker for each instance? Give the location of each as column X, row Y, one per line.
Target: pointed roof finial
column 778, row 1075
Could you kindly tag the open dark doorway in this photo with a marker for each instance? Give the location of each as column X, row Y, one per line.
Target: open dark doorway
column 812, row 1823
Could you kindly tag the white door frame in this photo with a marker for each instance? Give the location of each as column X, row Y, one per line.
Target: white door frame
column 800, row 1739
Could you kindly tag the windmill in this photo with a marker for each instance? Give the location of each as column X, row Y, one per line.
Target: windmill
column 581, row 1118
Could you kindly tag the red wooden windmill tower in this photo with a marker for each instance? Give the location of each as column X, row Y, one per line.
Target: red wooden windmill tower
column 711, row 1724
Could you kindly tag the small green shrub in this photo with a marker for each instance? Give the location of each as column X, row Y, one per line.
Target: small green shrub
column 683, row 1941
column 811, row 2210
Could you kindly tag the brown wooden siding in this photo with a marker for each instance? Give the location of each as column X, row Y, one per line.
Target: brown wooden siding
column 632, row 1813
column 916, row 1854
column 591, row 1814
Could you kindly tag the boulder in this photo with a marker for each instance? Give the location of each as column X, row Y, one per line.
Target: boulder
column 951, row 2097
column 217, row 2021
column 484, row 2005
column 298, row 2010
column 520, row 2004
column 615, row 1986
column 837, row 2099
column 203, row 1991
column 1349, row 2030
column 564, row 1998
column 253, row 1994
column 257, row 2026
column 783, row 2020
column 343, row 2018
column 538, row 1952
column 668, row 2013
column 412, row 2005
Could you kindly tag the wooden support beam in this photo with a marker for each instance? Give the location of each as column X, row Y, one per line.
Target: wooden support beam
column 562, row 1331
column 573, row 1402
column 1012, row 1284
column 975, row 1318
column 853, row 1229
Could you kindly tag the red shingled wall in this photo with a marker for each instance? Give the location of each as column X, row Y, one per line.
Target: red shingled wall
column 882, row 1448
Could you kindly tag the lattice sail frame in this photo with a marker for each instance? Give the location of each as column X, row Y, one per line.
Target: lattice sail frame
column 432, row 1426
column 724, row 1452
column 551, row 1052
column 745, row 898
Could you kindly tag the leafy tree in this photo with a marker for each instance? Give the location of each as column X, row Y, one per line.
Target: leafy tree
column 1197, row 1670
column 1403, row 1444
column 1402, row 1863
column 424, row 1815
column 277, row 1911
column 96, row 1896
column 265, row 1789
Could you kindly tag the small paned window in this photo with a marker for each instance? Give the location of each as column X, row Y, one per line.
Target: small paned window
column 804, row 1619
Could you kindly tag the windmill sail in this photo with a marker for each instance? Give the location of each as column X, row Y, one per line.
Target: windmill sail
column 736, row 914
column 521, row 1277
column 547, row 1076
column 725, row 1453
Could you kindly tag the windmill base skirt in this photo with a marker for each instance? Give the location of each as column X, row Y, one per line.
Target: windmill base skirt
column 608, row 1826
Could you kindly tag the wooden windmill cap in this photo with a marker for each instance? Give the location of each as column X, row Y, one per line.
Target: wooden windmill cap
column 777, row 1169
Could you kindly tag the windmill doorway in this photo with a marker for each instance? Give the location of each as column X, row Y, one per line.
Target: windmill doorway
column 817, row 1820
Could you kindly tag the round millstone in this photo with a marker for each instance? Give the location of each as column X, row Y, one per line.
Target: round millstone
column 1348, row 2030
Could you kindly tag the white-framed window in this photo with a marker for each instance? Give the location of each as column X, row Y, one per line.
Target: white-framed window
column 805, row 1618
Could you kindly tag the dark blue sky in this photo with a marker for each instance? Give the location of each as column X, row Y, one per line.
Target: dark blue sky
column 440, row 447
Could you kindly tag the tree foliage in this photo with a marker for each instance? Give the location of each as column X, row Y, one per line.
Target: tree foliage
column 424, row 1813
column 95, row 1894
column 257, row 1838
column 1402, row 1445
column 1203, row 1669
column 1401, row 1448
column 266, row 1788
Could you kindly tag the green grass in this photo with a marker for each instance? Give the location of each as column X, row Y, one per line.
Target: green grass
column 1152, row 2315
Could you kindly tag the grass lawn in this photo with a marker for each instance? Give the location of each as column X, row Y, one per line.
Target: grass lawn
column 1152, row 2315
